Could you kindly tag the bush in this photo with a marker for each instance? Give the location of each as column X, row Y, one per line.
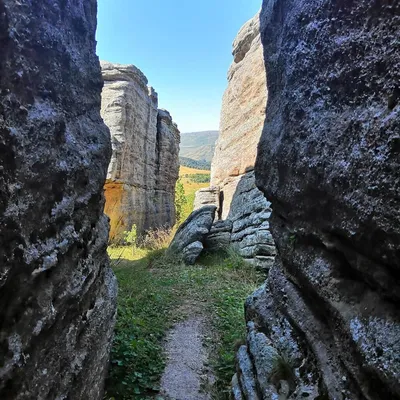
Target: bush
column 156, row 239
column 234, row 259
column 130, row 237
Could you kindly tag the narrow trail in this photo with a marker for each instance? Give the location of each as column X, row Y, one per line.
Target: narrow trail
column 187, row 374
column 178, row 325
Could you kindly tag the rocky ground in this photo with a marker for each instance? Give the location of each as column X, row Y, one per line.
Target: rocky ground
column 187, row 374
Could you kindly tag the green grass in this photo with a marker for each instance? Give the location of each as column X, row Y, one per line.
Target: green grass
column 152, row 287
column 191, row 187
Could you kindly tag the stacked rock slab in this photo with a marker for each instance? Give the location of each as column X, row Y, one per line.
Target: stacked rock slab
column 242, row 208
column 207, row 196
column 329, row 162
column 57, row 292
column 144, row 167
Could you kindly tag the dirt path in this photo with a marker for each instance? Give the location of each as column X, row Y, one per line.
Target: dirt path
column 187, row 359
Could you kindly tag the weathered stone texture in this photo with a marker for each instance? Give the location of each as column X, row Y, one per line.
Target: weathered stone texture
column 57, row 292
column 219, row 237
column 329, row 162
column 249, row 213
column 207, row 196
column 144, row 166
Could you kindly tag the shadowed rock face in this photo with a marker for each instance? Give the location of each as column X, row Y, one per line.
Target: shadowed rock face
column 329, row 162
column 144, row 167
column 57, row 292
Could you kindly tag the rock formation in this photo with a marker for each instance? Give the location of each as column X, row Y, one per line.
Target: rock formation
column 57, row 292
column 144, row 167
column 242, row 208
column 207, row 196
column 188, row 241
column 329, row 162
column 242, row 114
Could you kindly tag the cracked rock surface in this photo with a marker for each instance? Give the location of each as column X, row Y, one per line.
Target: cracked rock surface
column 242, row 210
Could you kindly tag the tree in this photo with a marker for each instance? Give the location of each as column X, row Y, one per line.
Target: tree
column 180, row 200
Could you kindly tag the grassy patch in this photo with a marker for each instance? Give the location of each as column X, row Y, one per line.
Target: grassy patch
column 144, row 305
column 191, row 187
column 152, row 287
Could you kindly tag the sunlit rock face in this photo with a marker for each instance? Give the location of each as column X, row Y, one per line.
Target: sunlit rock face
column 144, row 167
column 242, row 114
column 239, row 203
column 329, row 162
column 57, row 292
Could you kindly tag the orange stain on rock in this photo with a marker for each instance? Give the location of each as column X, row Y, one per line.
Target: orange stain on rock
column 114, row 194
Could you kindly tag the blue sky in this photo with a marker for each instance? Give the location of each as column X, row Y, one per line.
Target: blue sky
column 182, row 46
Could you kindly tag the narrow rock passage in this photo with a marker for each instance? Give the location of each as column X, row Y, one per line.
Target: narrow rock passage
column 187, row 357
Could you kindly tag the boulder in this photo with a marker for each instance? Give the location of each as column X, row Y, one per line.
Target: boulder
column 219, row 236
column 249, row 213
column 57, row 292
column 188, row 240
column 246, row 373
column 144, row 167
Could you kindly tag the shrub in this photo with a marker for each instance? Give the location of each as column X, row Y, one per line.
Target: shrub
column 130, row 237
column 156, row 239
column 234, row 260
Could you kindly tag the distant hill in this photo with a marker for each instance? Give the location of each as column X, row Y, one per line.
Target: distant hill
column 196, row 164
column 198, row 145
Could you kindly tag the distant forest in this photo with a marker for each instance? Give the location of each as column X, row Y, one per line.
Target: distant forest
column 197, row 164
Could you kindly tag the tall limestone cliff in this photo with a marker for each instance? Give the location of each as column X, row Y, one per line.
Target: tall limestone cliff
column 327, row 323
column 144, row 167
column 242, row 114
column 242, row 209
column 57, row 292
